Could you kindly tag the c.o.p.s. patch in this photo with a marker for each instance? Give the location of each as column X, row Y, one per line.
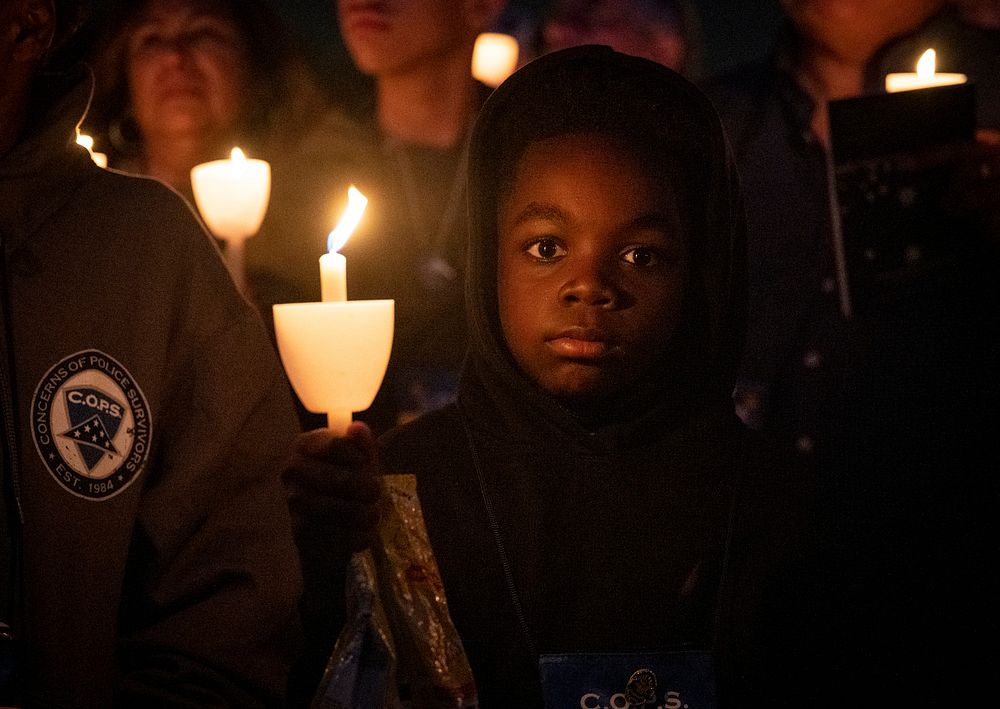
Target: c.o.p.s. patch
column 91, row 425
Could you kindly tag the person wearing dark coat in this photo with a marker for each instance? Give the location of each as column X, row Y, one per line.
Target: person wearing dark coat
column 891, row 411
column 591, row 490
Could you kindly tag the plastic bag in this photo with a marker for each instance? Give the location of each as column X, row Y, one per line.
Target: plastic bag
column 399, row 647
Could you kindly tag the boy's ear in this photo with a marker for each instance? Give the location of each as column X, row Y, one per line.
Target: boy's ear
column 34, row 25
column 482, row 14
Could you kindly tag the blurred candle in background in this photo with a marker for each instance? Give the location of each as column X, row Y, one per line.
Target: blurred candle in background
column 494, row 58
column 925, row 77
column 232, row 196
column 100, row 159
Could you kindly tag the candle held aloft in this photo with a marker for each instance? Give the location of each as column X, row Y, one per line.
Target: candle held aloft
column 925, row 77
column 494, row 58
column 332, row 265
column 232, row 195
column 336, row 352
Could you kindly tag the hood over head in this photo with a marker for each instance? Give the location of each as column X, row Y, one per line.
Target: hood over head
column 671, row 124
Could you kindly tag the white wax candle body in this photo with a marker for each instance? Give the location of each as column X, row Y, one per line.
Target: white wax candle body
column 232, row 196
column 494, row 58
column 335, row 354
column 908, row 81
column 333, row 277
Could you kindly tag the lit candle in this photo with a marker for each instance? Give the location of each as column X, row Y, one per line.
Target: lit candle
column 232, row 196
column 332, row 265
column 925, row 77
column 336, row 352
column 100, row 159
column 494, row 58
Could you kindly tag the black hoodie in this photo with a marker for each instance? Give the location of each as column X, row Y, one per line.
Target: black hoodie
column 554, row 533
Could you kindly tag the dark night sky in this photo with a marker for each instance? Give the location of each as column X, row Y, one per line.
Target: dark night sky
column 733, row 30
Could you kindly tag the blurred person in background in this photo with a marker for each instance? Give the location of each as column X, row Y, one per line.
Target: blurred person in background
column 181, row 82
column 981, row 13
column 146, row 552
column 965, row 34
column 890, row 412
column 406, row 152
column 664, row 31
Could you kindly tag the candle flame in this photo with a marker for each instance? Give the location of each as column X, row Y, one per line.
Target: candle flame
column 237, row 155
column 927, row 64
column 494, row 57
column 356, row 203
column 86, row 141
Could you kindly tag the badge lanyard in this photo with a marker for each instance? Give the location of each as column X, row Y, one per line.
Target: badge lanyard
column 505, row 560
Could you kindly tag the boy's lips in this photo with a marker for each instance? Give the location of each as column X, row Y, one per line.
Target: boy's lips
column 581, row 343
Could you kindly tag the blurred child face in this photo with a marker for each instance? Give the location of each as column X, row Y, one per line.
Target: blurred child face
column 856, row 29
column 385, row 37
column 186, row 69
column 592, row 270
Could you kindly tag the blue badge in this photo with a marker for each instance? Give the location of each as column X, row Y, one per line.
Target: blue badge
column 91, row 425
column 660, row 680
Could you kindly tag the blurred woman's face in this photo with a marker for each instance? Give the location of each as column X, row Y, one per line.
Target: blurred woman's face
column 187, row 70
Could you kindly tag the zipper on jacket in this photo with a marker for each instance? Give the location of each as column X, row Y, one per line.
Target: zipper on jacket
column 6, row 387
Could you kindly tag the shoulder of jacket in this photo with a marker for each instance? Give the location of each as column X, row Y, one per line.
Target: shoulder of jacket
column 437, row 435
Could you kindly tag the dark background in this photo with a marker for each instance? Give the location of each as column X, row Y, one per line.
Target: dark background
column 733, row 31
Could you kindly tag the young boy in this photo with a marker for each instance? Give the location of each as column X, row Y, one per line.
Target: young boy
column 581, row 496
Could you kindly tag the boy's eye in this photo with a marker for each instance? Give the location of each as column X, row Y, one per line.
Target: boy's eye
column 641, row 256
column 545, row 249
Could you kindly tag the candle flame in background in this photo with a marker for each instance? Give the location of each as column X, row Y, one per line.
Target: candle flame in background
column 237, row 155
column 927, row 64
column 87, row 142
column 494, row 57
column 356, row 204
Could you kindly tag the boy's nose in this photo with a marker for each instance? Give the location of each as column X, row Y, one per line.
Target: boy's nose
column 590, row 285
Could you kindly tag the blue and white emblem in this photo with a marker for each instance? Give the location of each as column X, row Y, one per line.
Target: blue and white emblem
column 91, row 425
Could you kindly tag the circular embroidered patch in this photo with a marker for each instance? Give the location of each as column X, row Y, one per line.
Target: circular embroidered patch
column 91, row 425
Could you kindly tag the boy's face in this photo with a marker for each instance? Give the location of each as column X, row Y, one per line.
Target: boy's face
column 592, row 269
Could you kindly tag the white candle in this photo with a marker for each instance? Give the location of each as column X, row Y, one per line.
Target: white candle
column 333, row 282
column 494, row 58
column 232, row 196
column 925, row 77
column 332, row 265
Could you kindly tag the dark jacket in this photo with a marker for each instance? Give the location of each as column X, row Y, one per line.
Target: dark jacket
column 556, row 534
column 145, row 416
column 890, row 413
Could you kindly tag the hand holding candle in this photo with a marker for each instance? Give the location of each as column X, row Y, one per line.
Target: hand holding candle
column 336, row 352
column 925, row 77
